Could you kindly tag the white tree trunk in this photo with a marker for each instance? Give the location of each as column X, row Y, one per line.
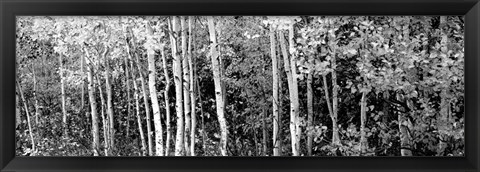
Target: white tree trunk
column 108, row 88
column 218, row 86
column 191, row 65
column 37, row 112
column 293, row 93
column 167, row 100
column 62, row 87
column 30, row 133
column 153, row 94
column 93, row 107
column 276, row 116
column 106, row 123
column 363, row 120
column 186, row 85
column 147, row 107
column 177, row 75
column 137, row 101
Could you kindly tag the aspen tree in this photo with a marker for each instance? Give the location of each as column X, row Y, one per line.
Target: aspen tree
column 219, row 97
column 186, row 84
column 276, row 115
column 177, row 76
column 27, row 113
column 159, row 150
column 167, row 100
column 191, row 65
column 93, row 108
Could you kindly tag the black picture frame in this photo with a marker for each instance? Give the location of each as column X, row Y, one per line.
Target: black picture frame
column 9, row 9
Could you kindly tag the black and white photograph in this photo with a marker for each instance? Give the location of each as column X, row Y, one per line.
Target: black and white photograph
column 242, row 86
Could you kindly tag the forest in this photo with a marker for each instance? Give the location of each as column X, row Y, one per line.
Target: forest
column 240, row 86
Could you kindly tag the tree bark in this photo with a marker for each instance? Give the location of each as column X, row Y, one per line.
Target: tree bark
column 186, row 85
column 30, row 131
column 309, row 113
column 216, row 65
column 37, row 112
column 289, row 64
column 137, row 103
column 264, row 131
column 62, row 87
column 191, row 64
column 159, row 150
column 167, row 100
column 129, row 98
column 336, row 138
column 403, row 125
column 276, row 114
column 17, row 111
column 145, row 103
column 177, row 75
column 363, row 120
column 106, row 123
column 296, row 104
column 139, row 119
column 82, row 104
column 108, row 88
column 93, row 107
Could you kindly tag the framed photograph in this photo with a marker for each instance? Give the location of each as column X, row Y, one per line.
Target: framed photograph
column 235, row 85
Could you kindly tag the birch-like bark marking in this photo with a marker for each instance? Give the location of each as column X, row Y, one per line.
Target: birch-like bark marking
column 177, row 77
column 219, row 97
column 159, row 150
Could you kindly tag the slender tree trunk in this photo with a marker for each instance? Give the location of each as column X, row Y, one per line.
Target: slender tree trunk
column 310, row 113
column 403, row 125
column 336, row 136
column 30, row 131
column 264, row 131
column 296, row 104
column 82, row 104
column 137, row 102
column 191, row 64
column 62, row 87
column 363, row 120
column 167, row 100
column 159, row 150
column 276, row 114
column 289, row 64
column 129, row 98
column 145, row 103
column 106, row 123
column 17, row 111
column 93, row 107
column 37, row 112
column 108, row 86
column 177, row 75
column 218, row 86
column 139, row 119
column 144, row 92
column 186, row 85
